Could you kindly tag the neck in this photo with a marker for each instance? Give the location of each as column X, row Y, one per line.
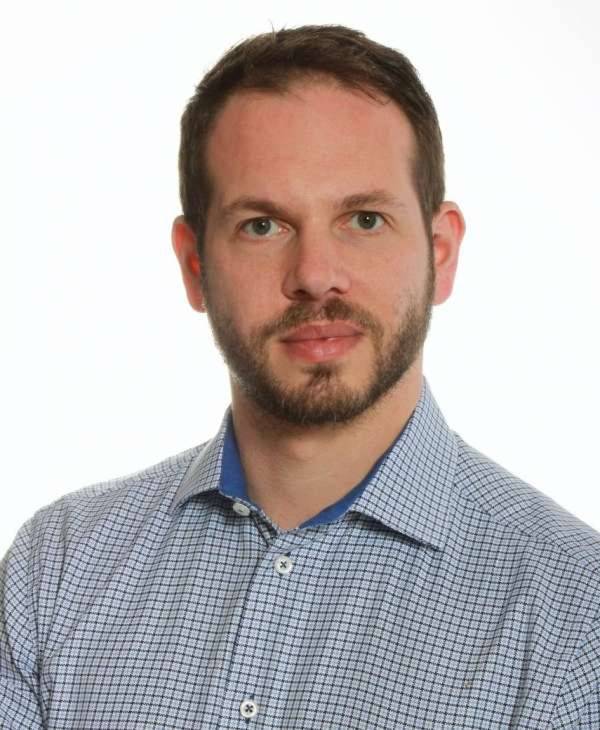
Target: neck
column 293, row 472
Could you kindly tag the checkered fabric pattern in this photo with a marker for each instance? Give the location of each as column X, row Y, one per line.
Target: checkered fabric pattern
column 442, row 592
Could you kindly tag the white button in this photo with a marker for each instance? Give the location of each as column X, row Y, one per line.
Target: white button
column 248, row 708
column 283, row 564
column 241, row 509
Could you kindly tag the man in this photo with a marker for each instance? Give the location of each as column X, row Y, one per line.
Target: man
column 336, row 556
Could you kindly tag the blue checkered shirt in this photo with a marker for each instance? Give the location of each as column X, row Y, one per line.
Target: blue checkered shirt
column 441, row 592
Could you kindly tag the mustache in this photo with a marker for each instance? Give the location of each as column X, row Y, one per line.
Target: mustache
column 334, row 309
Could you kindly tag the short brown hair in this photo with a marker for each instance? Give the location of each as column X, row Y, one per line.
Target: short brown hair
column 271, row 62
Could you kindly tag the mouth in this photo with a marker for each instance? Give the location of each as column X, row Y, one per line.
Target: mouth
column 322, row 332
column 318, row 343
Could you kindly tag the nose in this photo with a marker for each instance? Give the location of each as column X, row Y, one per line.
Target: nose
column 315, row 268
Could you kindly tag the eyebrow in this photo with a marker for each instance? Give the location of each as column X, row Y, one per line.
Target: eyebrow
column 356, row 200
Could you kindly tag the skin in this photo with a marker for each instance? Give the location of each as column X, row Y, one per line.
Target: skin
column 305, row 150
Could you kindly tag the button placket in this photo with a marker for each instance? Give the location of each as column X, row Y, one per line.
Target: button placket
column 282, row 564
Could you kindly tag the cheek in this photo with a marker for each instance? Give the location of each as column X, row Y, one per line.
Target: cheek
column 249, row 301
column 397, row 289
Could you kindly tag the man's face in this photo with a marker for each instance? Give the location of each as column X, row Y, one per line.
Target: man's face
column 268, row 273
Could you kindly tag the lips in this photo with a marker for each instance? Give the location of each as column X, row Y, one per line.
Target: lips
column 325, row 331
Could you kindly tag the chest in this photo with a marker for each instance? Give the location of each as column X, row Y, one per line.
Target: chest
column 302, row 631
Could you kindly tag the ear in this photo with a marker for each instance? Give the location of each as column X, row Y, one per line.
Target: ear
column 183, row 241
column 448, row 228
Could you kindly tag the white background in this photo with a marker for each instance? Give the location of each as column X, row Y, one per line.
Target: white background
column 105, row 367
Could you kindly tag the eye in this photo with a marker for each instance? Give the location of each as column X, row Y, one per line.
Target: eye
column 258, row 227
column 369, row 218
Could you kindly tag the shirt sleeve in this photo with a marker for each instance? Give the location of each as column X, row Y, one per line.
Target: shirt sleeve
column 19, row 704
column 578, row 706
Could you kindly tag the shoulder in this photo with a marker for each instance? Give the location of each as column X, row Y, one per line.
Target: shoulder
column 69, row 550
column 523, row 513
column 111, row 506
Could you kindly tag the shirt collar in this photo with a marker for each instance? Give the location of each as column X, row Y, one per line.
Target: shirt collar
column 409, row 489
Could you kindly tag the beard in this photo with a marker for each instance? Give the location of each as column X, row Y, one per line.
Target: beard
column 324, row 398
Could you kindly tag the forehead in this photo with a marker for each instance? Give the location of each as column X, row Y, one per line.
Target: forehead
column 316, row 137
